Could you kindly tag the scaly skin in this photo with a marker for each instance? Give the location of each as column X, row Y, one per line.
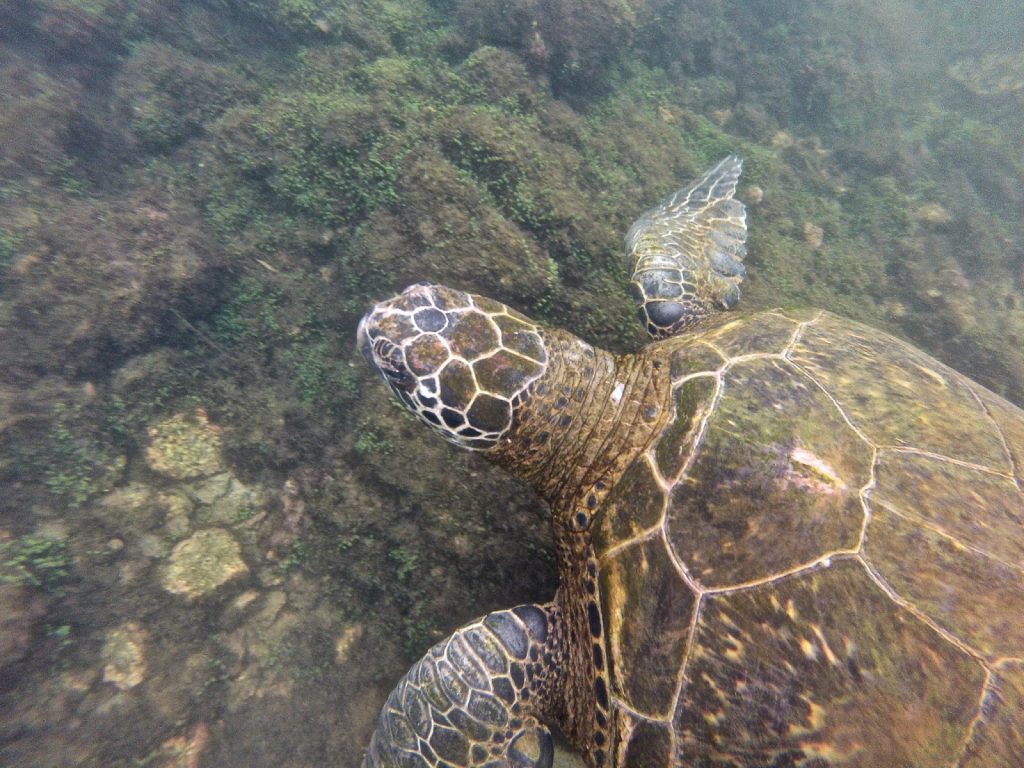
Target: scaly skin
column 570, row 419
column 571, row 431
column 477, row 699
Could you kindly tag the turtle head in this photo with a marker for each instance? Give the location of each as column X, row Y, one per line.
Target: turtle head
column 461, row 363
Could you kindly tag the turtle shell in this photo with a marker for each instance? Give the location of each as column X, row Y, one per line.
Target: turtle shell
column 820, row 559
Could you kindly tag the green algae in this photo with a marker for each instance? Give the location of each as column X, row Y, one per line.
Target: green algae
column 36, row 561
column 313, row 158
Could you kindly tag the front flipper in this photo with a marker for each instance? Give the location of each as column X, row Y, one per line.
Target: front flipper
column 477, row 699
column 686, row 254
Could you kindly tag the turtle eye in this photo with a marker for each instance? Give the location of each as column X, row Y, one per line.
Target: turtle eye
column 391, row 362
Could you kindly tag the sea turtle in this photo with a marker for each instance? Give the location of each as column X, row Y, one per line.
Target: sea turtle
column 784, row 539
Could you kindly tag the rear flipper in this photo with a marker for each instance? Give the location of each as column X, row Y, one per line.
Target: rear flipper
column 476, row 700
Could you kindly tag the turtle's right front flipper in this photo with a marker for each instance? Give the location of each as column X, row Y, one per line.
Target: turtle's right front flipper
column 477, row 699
column 686, row 254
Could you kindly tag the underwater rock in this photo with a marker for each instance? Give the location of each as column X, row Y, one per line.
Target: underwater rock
column 124, row 661
column 203, row 562
column 225, row 500
column 184, row 751
column 293, row 519
column 997, row 74
column 933, row 215
column 20, row 610
column 96, row 279
column 261, row 649
column 814, row 235
column 130, row 507
column 184, row 446
column 574, row 42
column 349, row 636
column 178, row 508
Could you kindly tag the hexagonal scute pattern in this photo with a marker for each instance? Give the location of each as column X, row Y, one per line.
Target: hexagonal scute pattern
column 825, row 667
column 467, row 701
column 460, row 362
column 820, row 560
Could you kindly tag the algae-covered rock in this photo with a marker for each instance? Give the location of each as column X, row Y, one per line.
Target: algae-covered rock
column 35, row 115
column 168, row 96
column 225, row 500
column 124, row 662
column 574, row 42
column 183, row 751
column 347, row 638
column 185, row 445
column 20, row 611
column 93, row 279
column 203, row 562
column 997, row 74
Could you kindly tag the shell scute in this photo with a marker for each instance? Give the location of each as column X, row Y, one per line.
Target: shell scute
column 691, row 399
column 798, row 314
column 897, row 395
column 775, row 484
column 975, row 597
column 647, row 609
column 979, row 509
column 998, row 738
column 1009, row 420
column 647, row 744
column 769, row 334
column 635, row 505
column 692, row 359
column 822, row 667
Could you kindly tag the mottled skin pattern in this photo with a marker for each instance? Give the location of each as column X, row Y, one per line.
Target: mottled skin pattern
column 784, row 539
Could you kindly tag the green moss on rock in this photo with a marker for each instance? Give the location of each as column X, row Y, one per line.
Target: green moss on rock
column 184, row 446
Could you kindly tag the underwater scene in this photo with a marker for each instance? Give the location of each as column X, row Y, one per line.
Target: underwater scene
column 225, row 537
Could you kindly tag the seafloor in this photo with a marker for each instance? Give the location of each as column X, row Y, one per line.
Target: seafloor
column 220, row 543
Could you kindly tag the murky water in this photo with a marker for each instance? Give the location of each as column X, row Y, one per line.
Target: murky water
column 221, row 542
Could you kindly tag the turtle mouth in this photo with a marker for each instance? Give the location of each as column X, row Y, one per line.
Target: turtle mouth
column 383, row 355
column 365, row 341
column 390, row 361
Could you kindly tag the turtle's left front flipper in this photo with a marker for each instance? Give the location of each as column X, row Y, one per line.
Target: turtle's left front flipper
column 477, row 699
column 686, row 254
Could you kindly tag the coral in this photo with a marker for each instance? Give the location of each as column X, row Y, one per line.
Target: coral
column 185, row 445
column 123, row 656
column 202, row 563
